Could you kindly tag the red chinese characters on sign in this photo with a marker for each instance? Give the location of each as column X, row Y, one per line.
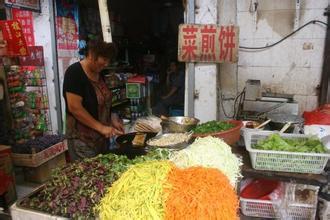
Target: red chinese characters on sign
column 208, row 43
column 14, row 37
column 26, row 20
column 189, row 47
column 227, row 44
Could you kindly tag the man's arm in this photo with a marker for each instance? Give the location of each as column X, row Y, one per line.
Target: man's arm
column 79, row 112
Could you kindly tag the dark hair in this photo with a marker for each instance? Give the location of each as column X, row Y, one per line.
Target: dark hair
column 101, row 49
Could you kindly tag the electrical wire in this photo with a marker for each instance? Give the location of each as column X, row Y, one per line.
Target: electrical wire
column 235, row 102
column 240, row 95
column 240, row 103
column 286, row 37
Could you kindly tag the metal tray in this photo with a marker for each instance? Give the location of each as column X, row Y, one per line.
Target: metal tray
column 38, row 214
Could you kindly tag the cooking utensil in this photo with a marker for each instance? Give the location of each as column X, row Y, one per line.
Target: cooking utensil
column 126, row 147
column 263, row 124
column 179, row 124
column 285, row 127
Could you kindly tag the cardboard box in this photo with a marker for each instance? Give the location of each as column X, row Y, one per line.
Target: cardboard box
column 37, row 159
column 6, row 165
column 43, row 172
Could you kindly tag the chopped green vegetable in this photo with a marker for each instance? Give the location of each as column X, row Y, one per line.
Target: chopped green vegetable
column 74, row 190
column 303, row 145
column 213, row 126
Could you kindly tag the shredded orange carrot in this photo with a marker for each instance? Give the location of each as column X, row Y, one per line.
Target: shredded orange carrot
column 199, row 193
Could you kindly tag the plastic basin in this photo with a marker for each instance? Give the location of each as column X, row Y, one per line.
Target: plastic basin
column 230, row 136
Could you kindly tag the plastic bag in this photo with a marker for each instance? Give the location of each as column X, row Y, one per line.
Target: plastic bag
column 300, row 202
column 320, row 116
column 317, row 122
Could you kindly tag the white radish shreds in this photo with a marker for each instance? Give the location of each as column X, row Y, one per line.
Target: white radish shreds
column 210, row 152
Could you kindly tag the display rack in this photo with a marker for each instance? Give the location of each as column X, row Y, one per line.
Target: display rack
column 28, row 97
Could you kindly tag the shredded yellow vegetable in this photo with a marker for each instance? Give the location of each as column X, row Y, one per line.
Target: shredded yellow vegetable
column 210, row 152
column 137, row 194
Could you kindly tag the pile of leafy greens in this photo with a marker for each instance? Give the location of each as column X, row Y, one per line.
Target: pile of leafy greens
column 304, row 145
column 75, row 190
column 213, row 126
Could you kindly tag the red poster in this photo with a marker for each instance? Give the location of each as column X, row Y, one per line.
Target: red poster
column 36, row 57
column 14, row 37
column 66, row 33
column 26, row 20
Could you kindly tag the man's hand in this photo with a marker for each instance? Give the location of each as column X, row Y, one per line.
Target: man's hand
column 109, row 131
column 117, row 123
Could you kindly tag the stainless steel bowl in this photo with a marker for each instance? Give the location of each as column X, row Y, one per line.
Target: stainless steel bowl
column 176, row 146
column 179, row 124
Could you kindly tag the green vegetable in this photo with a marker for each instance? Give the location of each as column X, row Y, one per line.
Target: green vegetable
column 303, row 145
column 75, row 190
column 213, row 126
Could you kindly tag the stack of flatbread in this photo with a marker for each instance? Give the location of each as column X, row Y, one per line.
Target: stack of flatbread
column 148, row 124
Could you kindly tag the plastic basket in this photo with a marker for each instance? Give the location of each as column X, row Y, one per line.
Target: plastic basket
column 266, row 209
column 282, row 160
column 257, row 208
column 272, row 209
column 301, row 212
column 324, row 209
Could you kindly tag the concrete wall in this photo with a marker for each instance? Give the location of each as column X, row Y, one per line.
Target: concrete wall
column 292, row 67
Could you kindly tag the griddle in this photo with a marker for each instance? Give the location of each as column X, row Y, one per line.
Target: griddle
column 125, row 146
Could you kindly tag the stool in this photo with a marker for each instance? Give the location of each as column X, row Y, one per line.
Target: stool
column 176, row 110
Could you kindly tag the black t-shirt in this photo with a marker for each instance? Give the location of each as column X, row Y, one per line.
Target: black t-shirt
column 77, row 82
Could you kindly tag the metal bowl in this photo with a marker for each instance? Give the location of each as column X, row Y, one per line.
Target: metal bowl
column 179, row 124
column 176, row 146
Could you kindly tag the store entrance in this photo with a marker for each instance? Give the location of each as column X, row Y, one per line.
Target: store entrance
column 146, row 33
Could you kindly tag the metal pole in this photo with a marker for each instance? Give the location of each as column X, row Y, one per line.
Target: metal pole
column 190, row 67
column 324, row 96
column 58, row 108
column 105, row 20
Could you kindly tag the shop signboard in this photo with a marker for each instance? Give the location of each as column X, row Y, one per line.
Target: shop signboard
column 33, row 5
column 208, row 43
column 26, row 19
column 14, row 38
column 36, row 57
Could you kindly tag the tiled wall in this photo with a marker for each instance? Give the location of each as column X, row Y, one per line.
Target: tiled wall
column 293, row 66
